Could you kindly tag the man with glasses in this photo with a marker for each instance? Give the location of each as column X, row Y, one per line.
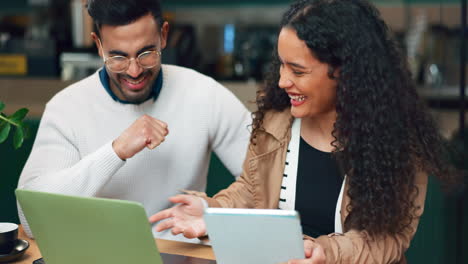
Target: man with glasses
column 136, row 129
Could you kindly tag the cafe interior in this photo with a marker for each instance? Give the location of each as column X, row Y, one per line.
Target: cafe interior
column 45, row 45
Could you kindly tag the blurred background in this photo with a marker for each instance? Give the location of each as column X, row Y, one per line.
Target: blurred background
column 45, row 45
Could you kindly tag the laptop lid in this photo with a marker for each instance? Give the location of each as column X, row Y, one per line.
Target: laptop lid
column 77, row 230
column 254, row 235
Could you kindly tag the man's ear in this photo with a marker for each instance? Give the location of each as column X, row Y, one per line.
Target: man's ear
column 97, row 43
column 164, row 32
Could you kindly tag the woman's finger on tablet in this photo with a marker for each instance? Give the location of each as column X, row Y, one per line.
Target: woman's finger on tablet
column 308, row 247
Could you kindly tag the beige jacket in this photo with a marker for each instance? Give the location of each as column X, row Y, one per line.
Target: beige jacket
column 260, row 184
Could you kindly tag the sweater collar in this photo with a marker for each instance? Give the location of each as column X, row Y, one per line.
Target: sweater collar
column 157, row 85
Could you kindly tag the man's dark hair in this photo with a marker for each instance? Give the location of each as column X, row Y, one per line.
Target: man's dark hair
column 122, row 12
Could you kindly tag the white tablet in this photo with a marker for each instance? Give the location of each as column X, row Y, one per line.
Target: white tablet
column 253, row 236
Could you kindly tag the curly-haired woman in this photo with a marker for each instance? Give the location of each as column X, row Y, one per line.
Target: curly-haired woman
column 340, row 135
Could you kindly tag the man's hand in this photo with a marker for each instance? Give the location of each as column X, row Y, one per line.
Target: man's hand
column 314, row 254
column 185, row 218
column 146, row 131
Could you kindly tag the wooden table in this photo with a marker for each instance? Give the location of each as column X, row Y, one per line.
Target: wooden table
column 164, row 246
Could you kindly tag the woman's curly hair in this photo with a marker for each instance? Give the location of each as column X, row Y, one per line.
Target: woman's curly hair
column 383, row 132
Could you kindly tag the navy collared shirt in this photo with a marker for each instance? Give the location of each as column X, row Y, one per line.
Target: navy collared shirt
column 157, row 85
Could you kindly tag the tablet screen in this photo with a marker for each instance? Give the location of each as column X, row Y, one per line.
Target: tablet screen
column 254, row 235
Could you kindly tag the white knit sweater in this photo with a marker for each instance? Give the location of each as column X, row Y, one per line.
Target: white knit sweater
column 72, row 153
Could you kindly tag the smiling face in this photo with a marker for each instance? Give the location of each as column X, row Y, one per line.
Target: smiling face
column 304, row 78
column 135, row 84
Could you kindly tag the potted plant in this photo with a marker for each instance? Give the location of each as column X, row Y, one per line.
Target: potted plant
column 15, row 120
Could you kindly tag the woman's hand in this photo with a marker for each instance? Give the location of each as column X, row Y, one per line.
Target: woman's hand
column 314, row 254
column 185, row 218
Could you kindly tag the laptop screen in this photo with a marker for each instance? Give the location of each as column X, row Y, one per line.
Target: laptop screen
column 77, row 230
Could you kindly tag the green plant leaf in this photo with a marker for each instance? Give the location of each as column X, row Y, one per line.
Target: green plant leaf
column 4, row 131
column 19, row 115
column 26, row 130
column 18, row 137
column 2, row 105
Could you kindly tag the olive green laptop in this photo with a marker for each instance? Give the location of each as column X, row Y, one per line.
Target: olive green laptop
column 78, row 230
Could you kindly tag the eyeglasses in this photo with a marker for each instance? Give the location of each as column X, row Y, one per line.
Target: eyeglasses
column 119, row 64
